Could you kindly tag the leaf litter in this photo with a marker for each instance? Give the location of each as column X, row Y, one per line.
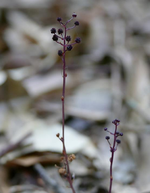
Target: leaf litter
column 109, row 78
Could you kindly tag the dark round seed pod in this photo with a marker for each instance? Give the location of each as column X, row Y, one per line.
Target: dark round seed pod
column 60, row 53
column 105, row 129
column 68, row 38
column 77, row 40
column 69, row 47
column 116, row 122
column 55, row 38
column 60, row 31
column 121, row 134
column 117, row 132
column 118, row 141
column 59, row 19
column 76, row 23
column 53, row 30
column 107, row 137
column 58, row 134
column 74, row 15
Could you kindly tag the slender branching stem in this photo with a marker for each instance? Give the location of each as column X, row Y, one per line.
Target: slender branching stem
column 71, row 28
column 68, row 21
column 113, row 148
column 63, row 114
column 111, row 160
column 67, row 46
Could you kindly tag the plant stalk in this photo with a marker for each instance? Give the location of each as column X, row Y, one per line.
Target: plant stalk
column 63, row 113
column 111, row 160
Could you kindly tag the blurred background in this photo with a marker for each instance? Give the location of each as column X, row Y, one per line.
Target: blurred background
column 108, row 78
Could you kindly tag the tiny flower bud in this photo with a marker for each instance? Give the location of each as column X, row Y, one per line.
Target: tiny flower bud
column 65, row 74
column 105, row 129
column 68, row 38
column 53, row 30
column 62, row 171
column 76, row 23
column 60, row 53
column 74, row 15
column 116, row 122
column 107, row 137
column 71, row 157
column 62, row 159
column 121, row 134
column 60, row 31
column 62, row 98
column 55, row 38
column 69, row 48
column 118, row 141
column 77, row 40
column 59, row 19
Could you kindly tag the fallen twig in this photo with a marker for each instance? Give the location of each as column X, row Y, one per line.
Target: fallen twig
column 11, row 147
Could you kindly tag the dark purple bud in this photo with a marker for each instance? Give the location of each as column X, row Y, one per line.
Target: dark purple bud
column 121, row 134
column 60, row 53
column 105, row 129
column 69, row 47
column 76, row 23
column 59, row 19
column 55, row 38
column 74, row 15
column 68, row 38
column 60, row 31
column 116, row 122
column 118, row 141
column 117, row 132
column 107, row 137
column 53, row 30
column 77, row 40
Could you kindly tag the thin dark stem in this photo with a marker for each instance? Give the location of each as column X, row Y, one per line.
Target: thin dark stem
column 65, row 170
column 63, row 92
column 113, row 148
column 71, row 28
column 111, row 159
column 63, row 113
column 68, row 21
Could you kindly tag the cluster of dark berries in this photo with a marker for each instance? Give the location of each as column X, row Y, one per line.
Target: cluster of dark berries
column 62, row 35
column 116, row 134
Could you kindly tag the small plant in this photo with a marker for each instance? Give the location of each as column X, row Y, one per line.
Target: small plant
column 113, row 147
column 60, row 36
